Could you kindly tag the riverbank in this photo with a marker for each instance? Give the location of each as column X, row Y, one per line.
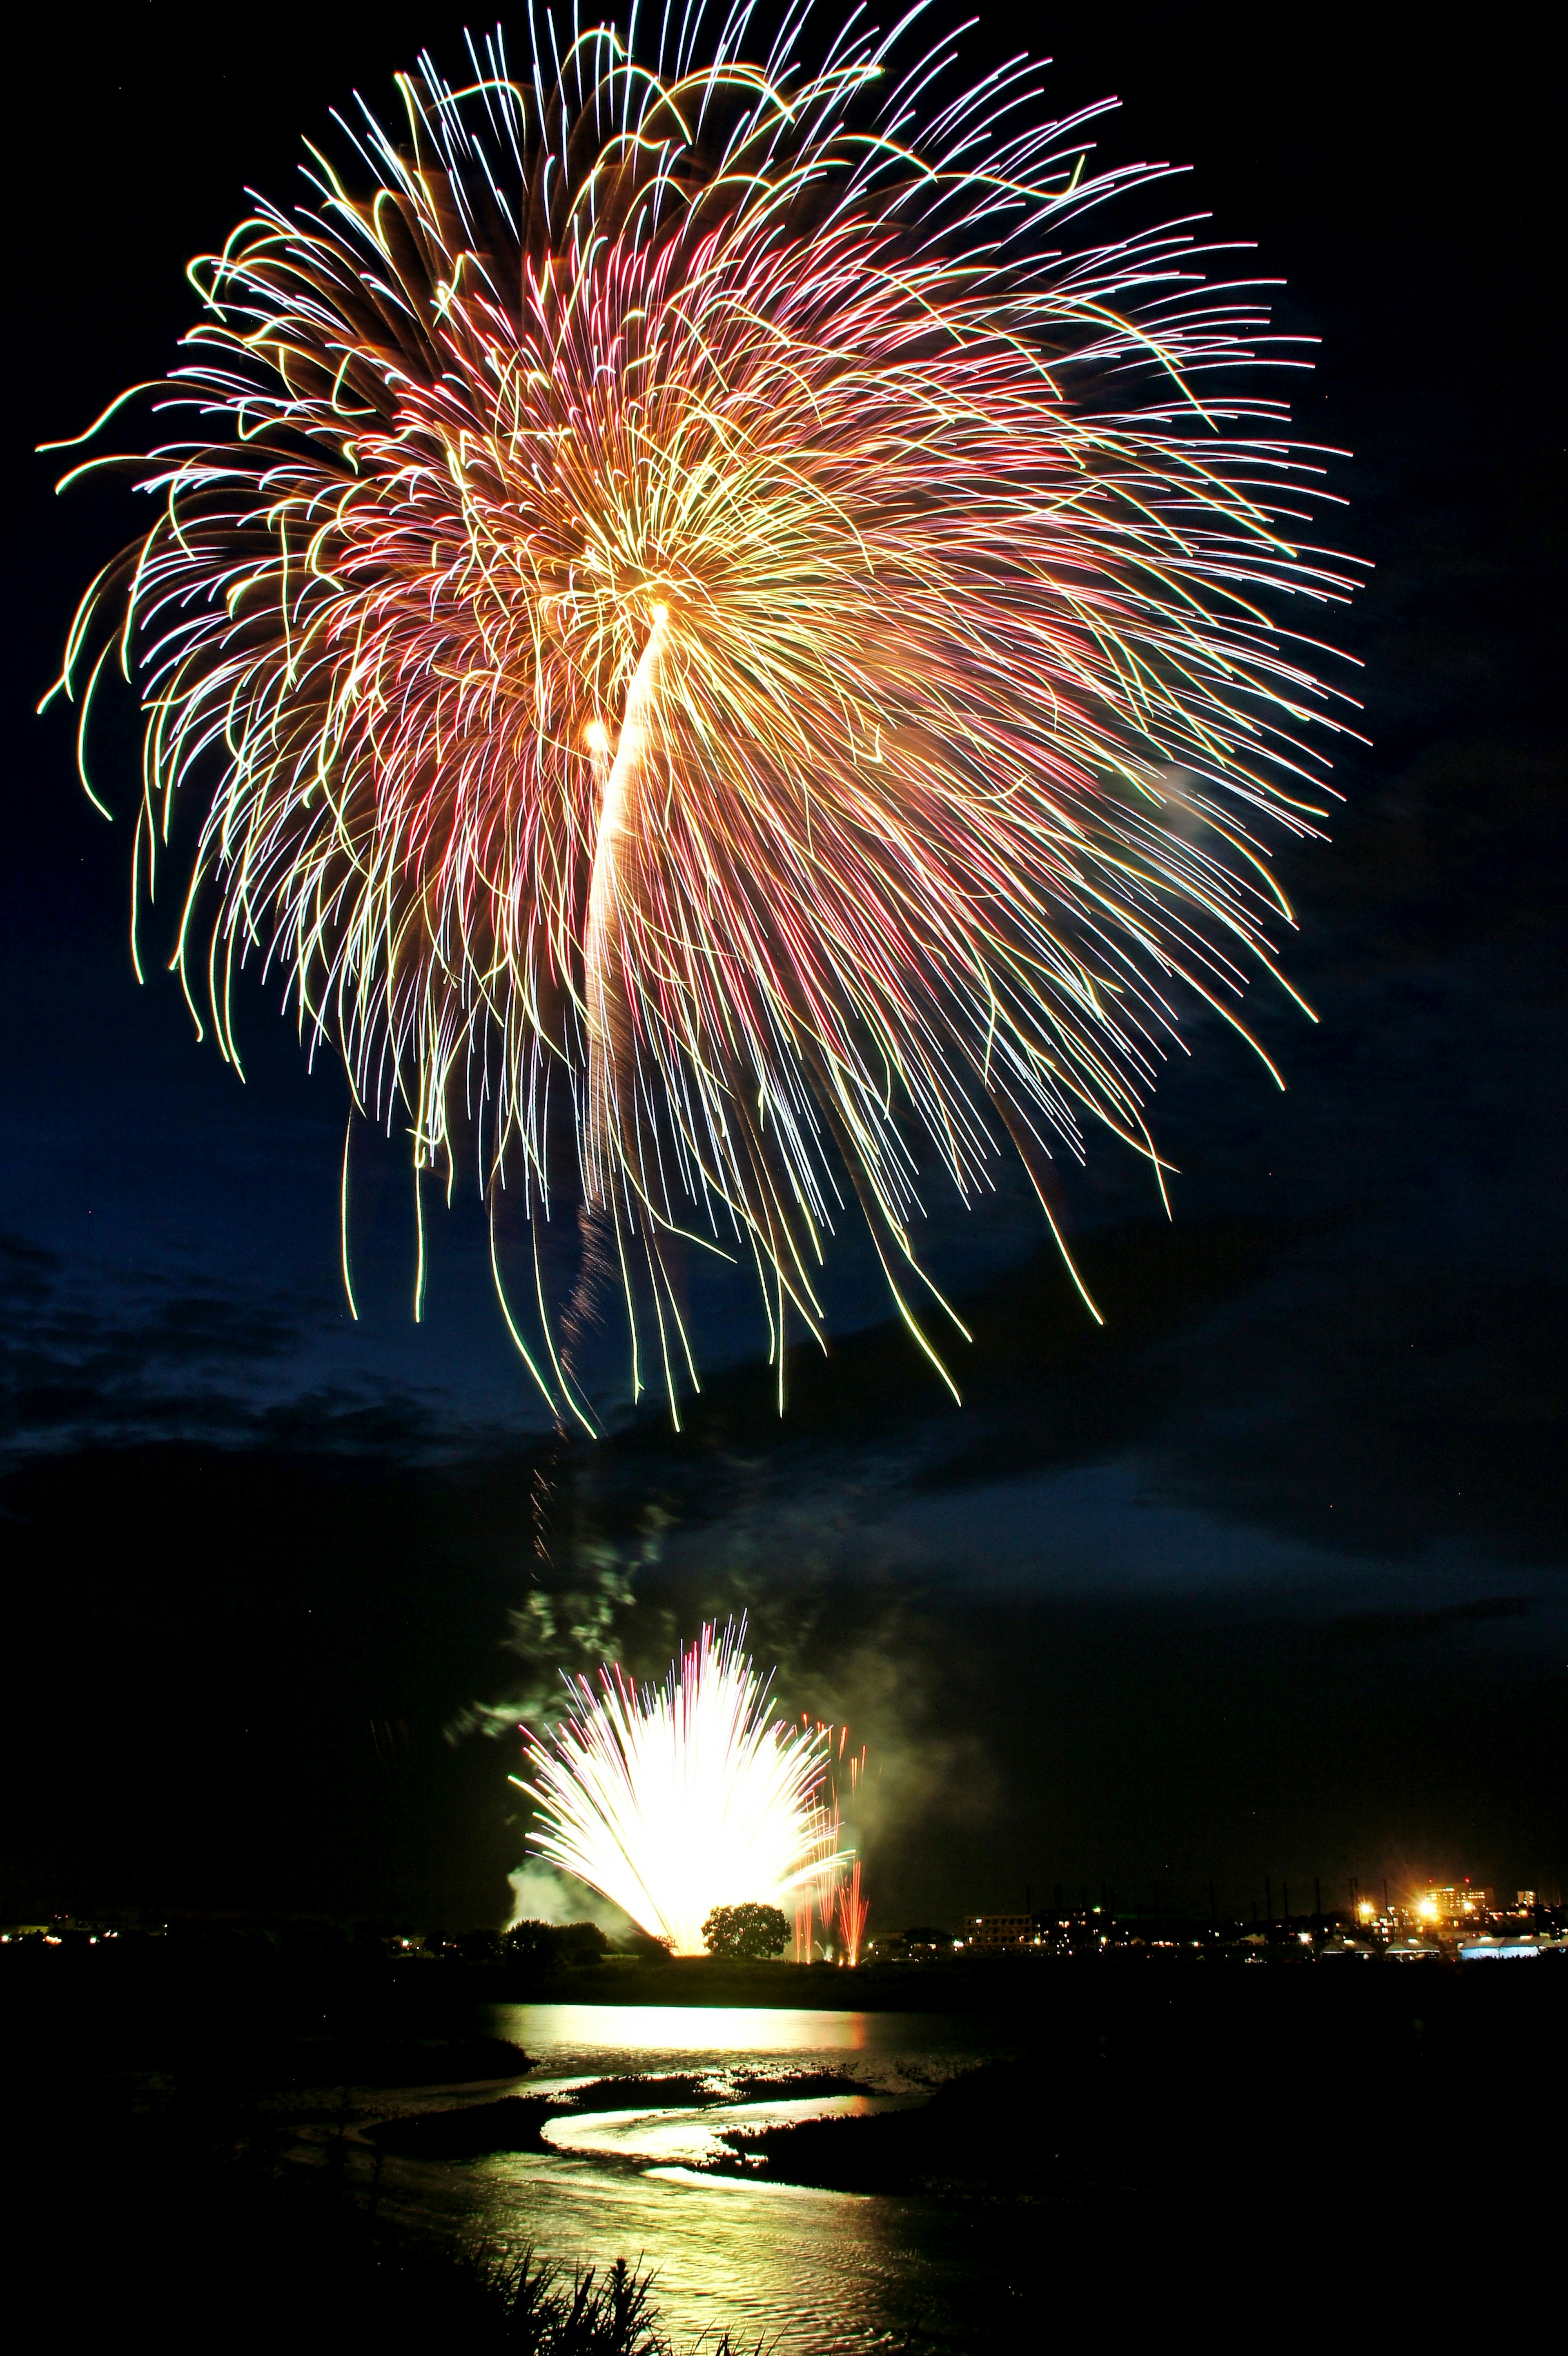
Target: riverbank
column 204, row 2237
column 1296, row 2123
column 324, row 1975
column 260, row 2015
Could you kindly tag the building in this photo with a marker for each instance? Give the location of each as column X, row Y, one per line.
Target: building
column 1458, row 1904
column 999, row 1930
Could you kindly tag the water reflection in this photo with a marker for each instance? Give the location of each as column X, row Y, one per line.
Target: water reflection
column 696, row 2135
column 635, row 2033
column 810, row 2273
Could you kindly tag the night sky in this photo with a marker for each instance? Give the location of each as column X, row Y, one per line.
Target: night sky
column 1266, row 1579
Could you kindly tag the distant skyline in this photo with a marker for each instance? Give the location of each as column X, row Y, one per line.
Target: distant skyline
column 1268, row 1578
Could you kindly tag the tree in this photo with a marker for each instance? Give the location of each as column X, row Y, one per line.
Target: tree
column 540, row 1945
column 530, row 1943
column 647, row 1946
column 580, row 1942
column 751, row 1931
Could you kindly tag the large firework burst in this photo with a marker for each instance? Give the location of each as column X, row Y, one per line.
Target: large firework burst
column 714, row 634
column 673, row 1800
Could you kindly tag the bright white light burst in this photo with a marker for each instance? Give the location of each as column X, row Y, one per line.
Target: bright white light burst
column 673, row 1800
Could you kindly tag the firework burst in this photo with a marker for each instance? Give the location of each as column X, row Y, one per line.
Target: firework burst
column 673, row 1800
column 713, row 636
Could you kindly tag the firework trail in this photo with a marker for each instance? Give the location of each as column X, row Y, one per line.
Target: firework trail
column 673, row 1800
column 837, row 1899
column 714, row 635
column 852, row 1910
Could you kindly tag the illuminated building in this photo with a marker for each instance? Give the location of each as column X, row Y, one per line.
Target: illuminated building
column 1454, row 1903
column 999, row 1930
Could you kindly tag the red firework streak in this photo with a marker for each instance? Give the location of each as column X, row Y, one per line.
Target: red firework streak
column 852, row 1910
column 836, row 1897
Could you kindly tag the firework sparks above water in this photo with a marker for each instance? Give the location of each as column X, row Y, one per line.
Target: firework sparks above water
column 673, row 1800
column 715, row 637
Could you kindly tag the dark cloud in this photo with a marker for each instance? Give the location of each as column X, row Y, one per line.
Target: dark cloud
column 94, row 1357
column 1366, row 1628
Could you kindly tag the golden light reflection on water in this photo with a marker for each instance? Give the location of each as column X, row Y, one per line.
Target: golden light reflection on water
column 637, row 2033
column 805, row 2271
column 692, row 2136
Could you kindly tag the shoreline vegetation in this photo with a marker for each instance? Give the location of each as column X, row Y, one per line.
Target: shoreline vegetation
column 195, row 2230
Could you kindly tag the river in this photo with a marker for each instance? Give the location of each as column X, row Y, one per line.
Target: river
column 803, row 2271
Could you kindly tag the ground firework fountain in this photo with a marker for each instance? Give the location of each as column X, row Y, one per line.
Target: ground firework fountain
column 670, row 1800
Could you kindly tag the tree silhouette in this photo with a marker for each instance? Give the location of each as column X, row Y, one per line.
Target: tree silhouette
column 751, row 1931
